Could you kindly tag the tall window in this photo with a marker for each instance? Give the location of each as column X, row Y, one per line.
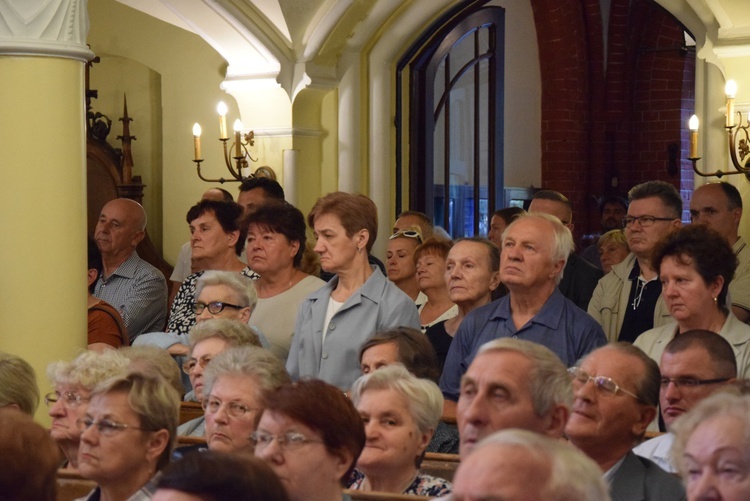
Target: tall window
column 456, row 120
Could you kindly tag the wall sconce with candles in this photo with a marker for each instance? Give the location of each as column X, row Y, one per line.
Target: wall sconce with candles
column 738, row 136
column 241, row 169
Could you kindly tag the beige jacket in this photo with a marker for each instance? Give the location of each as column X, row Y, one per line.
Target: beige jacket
column 610, row 300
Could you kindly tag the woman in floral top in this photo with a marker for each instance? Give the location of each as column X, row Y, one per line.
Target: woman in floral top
column 400, row 413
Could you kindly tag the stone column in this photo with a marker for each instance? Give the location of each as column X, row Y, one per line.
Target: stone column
column 43, row 171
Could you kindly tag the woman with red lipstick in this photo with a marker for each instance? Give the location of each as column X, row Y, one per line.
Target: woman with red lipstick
column 695, row 266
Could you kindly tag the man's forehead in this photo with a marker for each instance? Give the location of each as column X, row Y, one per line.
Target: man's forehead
column 498, row 363
column 709, row 195
column 692, row 360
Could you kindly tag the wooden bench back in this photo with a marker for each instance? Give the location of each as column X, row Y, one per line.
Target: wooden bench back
column 380, row 496
column 70, row 485
column 190, row 411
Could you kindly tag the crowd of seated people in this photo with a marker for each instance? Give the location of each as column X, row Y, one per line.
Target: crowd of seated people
column 331, row 388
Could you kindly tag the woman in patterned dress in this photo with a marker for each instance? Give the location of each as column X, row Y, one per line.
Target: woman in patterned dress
column 400, row 413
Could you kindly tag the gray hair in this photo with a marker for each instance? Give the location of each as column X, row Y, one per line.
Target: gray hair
column 662, row 190
column 719, row 404
column 154, row 361
column 423, row 396
column 549, row 383
column 573, row 475
column 243, row 288
column 18, row 383
column 563, row 244
column 250, row 362
column 233, row 332
column 88, row 369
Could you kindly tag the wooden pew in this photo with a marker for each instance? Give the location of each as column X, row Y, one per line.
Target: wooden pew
column 70, row 485
column 190, row 411
column 380, row 496
column 440, row 465
column 182, row 440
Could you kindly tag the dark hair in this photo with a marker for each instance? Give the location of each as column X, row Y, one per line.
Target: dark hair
column 650, row 378
column 325, row 409
column 270, row 186
column 665, row 192
column 493, row 253
column 94, row 262
column 218, row 476
column 734, row 199
column 281, row 217
column 553, row 195
column 719, row 350
column 28, row 459
column 414, row 351
column 508, row 214
column 612, row 199
column 228, row 215
column 355, row 212
column 703, row 249
column 432, row 245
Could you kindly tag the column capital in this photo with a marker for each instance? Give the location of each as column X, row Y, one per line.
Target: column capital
column 52, row 28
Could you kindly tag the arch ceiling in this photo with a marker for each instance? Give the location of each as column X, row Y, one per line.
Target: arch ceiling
column 293, row 43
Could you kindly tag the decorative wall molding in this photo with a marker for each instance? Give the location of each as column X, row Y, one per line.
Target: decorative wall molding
column 54, row 28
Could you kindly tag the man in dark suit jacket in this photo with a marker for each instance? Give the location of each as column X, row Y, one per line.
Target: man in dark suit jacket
column 616, row 390
column 579, row 277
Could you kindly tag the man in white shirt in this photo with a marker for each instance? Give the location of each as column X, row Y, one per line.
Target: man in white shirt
column 693, row 365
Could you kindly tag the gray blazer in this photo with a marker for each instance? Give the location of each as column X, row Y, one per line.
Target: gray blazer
column 639, row 479
column 378, row 305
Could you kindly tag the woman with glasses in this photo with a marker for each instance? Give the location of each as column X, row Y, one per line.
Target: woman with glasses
column 275, row 247
column 18, row 388
column 73, row 383
column 311, row 435
column 695, row 266
column 400, row 413
column 216, row 241
column 359, row 301
column 207, row 340
column 127, row 435
column 237, row 382
column 400, row 265
column 429, row 259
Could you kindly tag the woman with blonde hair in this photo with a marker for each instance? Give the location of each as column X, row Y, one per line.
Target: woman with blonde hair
column 18, row 386
column 73, row 382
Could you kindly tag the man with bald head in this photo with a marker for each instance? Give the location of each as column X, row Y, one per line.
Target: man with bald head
column 135, row 288
column 719, row 206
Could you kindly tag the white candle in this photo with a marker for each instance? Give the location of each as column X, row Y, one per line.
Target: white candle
column 730, row 89
column 222, row 110
column 197, row 140
column 693, row 126
column 237, row 138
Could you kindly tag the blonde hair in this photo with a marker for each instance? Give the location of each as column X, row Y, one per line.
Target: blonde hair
column 88, row 369
column 18, row 383
column 233, row 332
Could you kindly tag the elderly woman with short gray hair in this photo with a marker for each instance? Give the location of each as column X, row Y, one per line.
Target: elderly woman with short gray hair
column 73, row 383
column 207, row 340
column 400, row 413
column 236, row 383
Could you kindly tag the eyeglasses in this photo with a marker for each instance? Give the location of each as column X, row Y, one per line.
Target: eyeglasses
column 234, row 409
column 104, row 426
column 191, row 364
column 601, row 383
column 287, row 441
column 408, row 234
column 69, row 399
column 214, row 307
column 644, row 221
column 689, row 383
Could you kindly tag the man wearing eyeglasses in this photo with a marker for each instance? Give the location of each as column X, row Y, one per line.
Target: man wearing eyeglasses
column 719, row 207
column 616, row 390
column 627, row 301
column 693, row 365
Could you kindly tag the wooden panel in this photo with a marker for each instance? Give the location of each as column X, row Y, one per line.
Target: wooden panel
column 190, row 411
